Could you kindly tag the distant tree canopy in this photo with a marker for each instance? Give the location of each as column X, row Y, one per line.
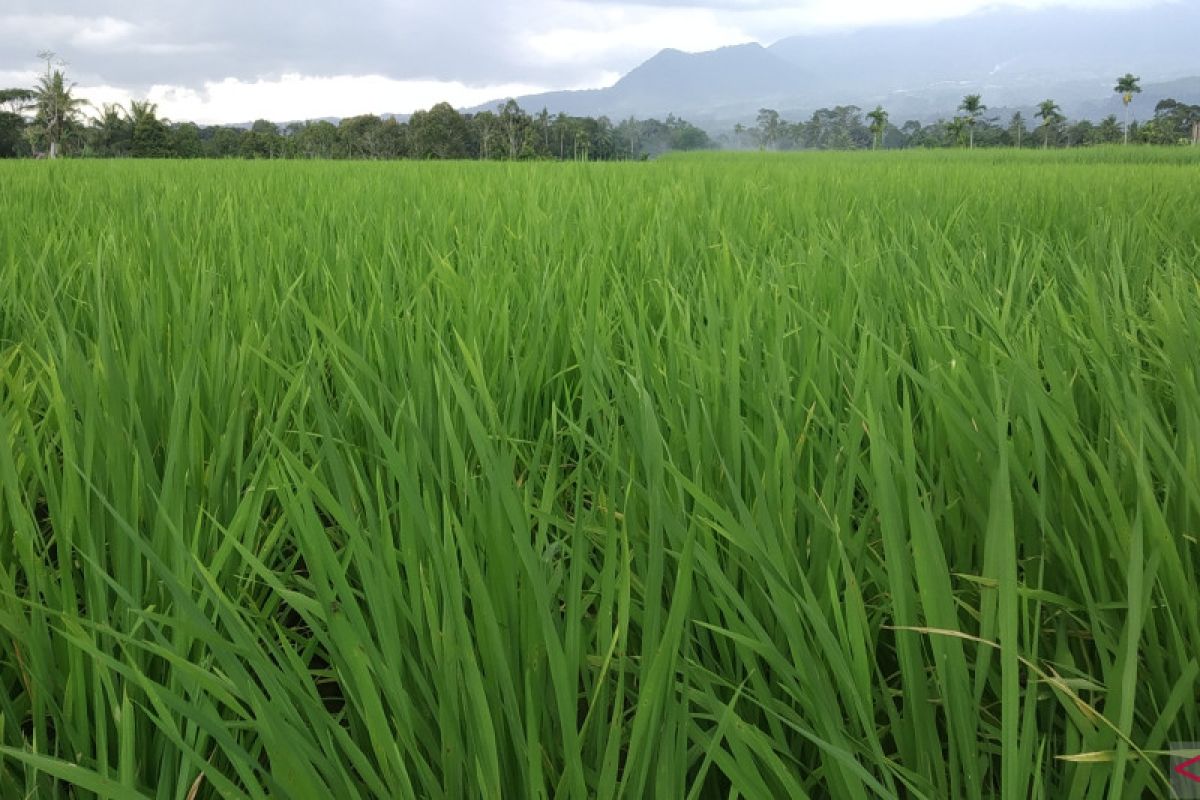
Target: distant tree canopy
column 1173, row 123
column 48, row 119
column 12, row 123
column 848, row 128
column 441, row 132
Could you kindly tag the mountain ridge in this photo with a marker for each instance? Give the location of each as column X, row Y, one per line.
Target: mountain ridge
column 1014, row 58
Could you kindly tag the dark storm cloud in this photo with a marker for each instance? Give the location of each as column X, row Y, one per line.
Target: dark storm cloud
column 137, row 43
column 133, row 42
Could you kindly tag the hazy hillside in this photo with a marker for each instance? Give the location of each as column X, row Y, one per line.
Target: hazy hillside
column 1013, row 58
column 710, row 80
column 697, row 85
column 1185, row 90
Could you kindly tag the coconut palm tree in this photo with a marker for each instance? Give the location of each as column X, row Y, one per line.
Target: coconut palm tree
column 954, row 131
column 1127, row 86
column 57, row 109
column 112, row 131
column 972, row 108
column 148, row 134
column 879, row 123
column 1016, row 128
column 1050, row 115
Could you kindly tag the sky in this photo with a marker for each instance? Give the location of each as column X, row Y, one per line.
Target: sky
column 214, row 61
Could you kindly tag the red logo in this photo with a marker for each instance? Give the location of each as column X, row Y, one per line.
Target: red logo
column 1183, row 770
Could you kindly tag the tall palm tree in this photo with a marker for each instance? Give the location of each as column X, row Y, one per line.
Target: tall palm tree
column 56, row 108
column 148, row 133
column 973, row 108
column 1127, row 86
column 142, row 111
column 1050, row 114
column 1016, row 127
column 879, row 123
column 112, row 131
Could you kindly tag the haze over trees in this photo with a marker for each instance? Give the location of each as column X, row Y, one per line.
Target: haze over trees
column 848, row 128
column 1013, row 57
column 50, row 120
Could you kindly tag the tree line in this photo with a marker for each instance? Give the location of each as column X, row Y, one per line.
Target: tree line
column 49, row 120
column 849, row 128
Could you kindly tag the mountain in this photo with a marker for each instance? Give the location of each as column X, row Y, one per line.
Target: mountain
column 699, row 86
column 714, row 79
column 1011, row 57
column 1014, row 58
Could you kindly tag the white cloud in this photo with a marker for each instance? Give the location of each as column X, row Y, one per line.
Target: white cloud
column 581, row 33
column 77, row 31
column 299, row 97
column 768, row 20
column 103, row 32
column 219, row 61
column 17, row 77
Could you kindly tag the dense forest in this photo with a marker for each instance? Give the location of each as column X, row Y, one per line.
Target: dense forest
column 848, row 128
column 49, row 120
column 30, row 126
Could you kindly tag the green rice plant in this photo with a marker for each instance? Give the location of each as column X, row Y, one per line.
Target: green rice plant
column 831, row 475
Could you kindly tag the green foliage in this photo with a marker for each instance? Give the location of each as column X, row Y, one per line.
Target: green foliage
column 1173, row 123
column 225, row 143
column 185, row 141
column 440, row 133
column 1052, row 119
column 769, row 129
column 315, row 140
column 879, row 125
column 150, row 136
column 263, row 140
column 57, row 110
column 972, row 107
column 111, row 134
column 1108, row 131
column 1127, row 86
column 372, row 137
column 829, row 476
column 1017, row 132
column 842, row 128
column 12, row 135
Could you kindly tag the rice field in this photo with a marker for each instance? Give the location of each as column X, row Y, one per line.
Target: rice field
column 730, row 476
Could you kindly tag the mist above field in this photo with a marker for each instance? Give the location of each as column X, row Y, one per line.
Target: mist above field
column 215, row 63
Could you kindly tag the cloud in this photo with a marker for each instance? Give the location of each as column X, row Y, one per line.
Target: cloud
column 103, row 32
column 293, row 97
column 583, row 34
column 135, row 45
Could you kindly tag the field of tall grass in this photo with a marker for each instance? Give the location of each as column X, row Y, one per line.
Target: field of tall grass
column 830, row 476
